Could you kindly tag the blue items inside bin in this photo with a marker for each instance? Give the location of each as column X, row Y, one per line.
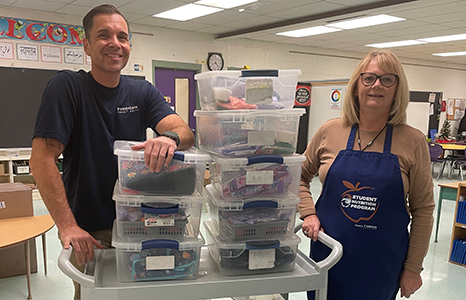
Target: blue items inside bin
column 176, row 179
column 185, row 264
column 458, row 252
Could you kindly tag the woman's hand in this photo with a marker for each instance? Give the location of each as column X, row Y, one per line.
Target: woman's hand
column 311, row 227
column 409, row 283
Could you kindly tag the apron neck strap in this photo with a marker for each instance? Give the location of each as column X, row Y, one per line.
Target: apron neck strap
column 349, row 145
column 388, row 138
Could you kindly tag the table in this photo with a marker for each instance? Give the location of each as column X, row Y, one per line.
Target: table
column 452, row 147
column 21, row 230
column 448, row 191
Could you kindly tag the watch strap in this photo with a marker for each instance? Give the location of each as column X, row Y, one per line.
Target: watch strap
column 172, row 135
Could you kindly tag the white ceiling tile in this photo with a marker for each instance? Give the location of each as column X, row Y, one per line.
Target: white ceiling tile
column 75, row 10
column 149, row 7
column 38, row 5
column 306, row 10
column 156, row 21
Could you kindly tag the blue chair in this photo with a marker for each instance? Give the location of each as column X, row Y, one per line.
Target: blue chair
column 435, row 158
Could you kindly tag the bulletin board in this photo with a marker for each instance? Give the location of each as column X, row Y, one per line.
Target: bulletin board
column 455, row 108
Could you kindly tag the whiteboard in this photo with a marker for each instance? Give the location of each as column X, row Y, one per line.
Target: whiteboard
column 418, row 115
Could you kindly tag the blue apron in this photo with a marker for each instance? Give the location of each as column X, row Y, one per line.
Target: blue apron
column 362, row 206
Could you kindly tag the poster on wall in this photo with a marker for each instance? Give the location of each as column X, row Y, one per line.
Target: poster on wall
column 74, row 56
column 50, row 54
column 27, row 52
column 6, row 50
column 303, row 95
column 335, row 98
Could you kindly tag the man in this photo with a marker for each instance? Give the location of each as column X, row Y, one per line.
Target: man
column 81, row 115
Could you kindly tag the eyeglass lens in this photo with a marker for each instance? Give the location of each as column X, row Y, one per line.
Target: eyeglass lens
column 386, row 80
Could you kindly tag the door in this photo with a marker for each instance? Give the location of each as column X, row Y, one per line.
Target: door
column 179, row 88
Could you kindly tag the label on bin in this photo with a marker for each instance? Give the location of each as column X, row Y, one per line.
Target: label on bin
column 160, row 262
column 261, row 259
column 261, row 138
column 159, row 220
column 259, row 177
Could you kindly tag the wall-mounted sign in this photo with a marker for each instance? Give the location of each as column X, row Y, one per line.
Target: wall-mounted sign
column 44, row 32
column 303, row 95
column 74, row 56
column 336, row 96
column 6, row 51
column 27, row 52
column 50, row 54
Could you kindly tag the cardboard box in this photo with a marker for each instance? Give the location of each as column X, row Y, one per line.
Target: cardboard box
column 15, row 202
column 2, row 169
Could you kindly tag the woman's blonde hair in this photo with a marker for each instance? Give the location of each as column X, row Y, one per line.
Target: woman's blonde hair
column 388, row 62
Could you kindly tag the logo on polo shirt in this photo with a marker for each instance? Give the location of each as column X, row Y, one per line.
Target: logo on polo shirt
column 127, row 109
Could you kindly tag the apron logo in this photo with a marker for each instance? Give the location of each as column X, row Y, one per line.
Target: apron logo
column 358, row 207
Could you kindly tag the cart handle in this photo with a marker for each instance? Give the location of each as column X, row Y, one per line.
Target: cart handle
column 66, row 267
column 333, row 257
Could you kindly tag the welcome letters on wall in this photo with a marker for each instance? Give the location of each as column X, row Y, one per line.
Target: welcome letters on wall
column 36, row 31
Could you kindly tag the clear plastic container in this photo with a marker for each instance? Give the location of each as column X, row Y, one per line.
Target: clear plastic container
column 183, row 176
column 242, row 133
column 140, row 259
column 256, row 176
column 252, row 256
column 253, row 218
column 247, row 89
column 157, row 216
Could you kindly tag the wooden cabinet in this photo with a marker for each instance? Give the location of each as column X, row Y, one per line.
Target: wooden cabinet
column 458, row 234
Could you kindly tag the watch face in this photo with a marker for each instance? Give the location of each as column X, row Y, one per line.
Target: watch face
column 215, row 62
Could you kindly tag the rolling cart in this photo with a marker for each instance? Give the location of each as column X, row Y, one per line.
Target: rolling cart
column 100, row 278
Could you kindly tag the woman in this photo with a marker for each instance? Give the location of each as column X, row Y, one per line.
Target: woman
column 376, row 178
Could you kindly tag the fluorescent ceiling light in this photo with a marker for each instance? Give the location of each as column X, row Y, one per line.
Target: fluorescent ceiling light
column 365, row 22
column 224, row 3
column 446, row 38
column 450, row 53
column 187, row 12
column 309, row 31
column 397, row 44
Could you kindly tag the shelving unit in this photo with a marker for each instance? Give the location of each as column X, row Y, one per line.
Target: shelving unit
column 8, row 157
column 459, row 229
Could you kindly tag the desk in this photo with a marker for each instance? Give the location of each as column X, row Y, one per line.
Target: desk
column 452, row 147
column 448, row 191
column 21, row 230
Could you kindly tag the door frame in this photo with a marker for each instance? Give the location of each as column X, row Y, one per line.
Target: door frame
column 177, row 66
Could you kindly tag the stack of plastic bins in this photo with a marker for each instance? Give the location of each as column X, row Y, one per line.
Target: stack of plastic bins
column 249, row 127
column 156, row 233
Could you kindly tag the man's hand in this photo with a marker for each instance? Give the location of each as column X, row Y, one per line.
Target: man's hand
column 409, row 283
column 83, row 243
column 311, row 227
column 158, row 152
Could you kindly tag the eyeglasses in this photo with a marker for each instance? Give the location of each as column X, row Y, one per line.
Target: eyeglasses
column 387, row 80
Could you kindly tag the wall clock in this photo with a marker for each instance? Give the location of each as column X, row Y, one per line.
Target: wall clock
column 215, row 61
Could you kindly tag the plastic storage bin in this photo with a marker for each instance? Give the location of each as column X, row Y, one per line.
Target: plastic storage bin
column 255, row 176
column 253, row 256
column 247, row 89
column 183, row 176
column 254, row 218
column 241, row 133
column 140, row 259
column 157, row 216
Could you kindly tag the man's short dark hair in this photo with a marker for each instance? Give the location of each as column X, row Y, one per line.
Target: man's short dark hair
column 104, row 9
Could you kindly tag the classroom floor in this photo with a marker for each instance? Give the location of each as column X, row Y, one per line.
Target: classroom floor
column 442, row 280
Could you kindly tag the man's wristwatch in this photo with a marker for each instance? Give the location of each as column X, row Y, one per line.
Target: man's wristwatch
column 172, row 135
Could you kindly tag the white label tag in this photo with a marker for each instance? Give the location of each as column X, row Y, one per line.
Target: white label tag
column 154, row 220
column 23, row 169
column 160, row 262
column 2, row 204
column 261, row 138
column 259, row 177
column 261, row 259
